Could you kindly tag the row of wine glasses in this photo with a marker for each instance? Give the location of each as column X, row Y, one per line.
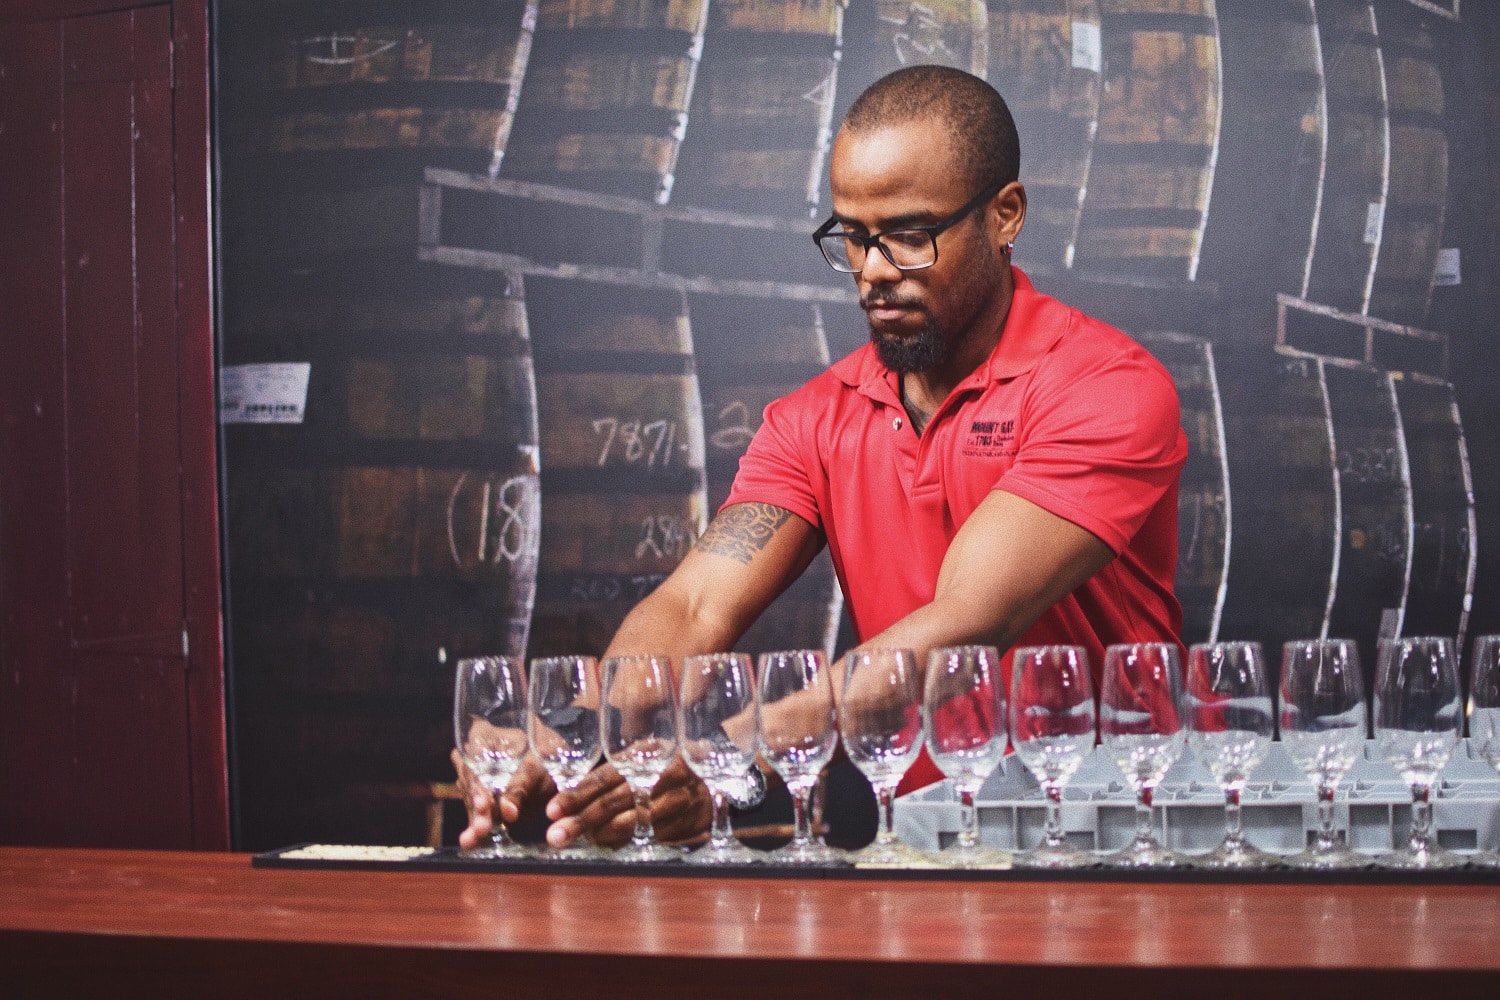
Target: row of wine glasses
column 1149, row 710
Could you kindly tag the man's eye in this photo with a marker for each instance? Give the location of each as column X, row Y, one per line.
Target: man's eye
column 912, row 239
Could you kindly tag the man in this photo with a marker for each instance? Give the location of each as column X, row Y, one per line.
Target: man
column 994, row 467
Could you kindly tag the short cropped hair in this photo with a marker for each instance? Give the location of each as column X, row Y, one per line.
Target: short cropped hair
column 978, row 121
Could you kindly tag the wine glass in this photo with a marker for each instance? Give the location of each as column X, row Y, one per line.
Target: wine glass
column 1142, row 727
column 638, row 717
column 489, row 729
column 1418, row 713
column 1323, row 729
column 565, row 730
column 1484, row 716
column 716, row 717
column 880, row 720
column 798, row 731
column 963, row 707
column 1231, row 720
column 1052, row 729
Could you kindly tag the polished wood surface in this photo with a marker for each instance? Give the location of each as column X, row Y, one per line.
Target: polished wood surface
column 88, row 918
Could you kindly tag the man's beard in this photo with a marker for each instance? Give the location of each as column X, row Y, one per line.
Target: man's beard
column 916, row 353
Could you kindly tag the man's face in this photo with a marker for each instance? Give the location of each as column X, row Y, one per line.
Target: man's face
column 900, row 175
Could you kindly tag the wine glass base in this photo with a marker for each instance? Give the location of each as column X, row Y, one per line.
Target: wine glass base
column 1337, row 858
column 892, row 854
column 1236, row 854
column 978, row 856
column 575, row 852
column 731, row 853
column 810, row 853
column 1483, row 859
column 1064, row 856
column 1146, row 854
column 1422, row 860
column 647, row 853
column 510, row 852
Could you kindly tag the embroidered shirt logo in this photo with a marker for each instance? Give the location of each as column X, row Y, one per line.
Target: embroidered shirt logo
column 990, row 438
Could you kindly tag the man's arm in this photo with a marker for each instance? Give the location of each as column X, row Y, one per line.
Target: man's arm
column 1008, row 564
column 750, row 553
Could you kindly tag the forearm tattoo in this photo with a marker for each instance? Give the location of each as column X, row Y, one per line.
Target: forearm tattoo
column 742, row 530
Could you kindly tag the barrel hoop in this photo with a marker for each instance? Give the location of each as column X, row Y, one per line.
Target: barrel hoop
column 256, row 451
column 337, row 344
column 1163, row 154
column 367, row 13
column 1273, row 11
column 595, row 588
column 436, row 95
column 759, row 373
column 1104, row 218
column 762, row 44
column 551, row 124
column 1157, row 23
column 554, row 45
column 611, row 480
column 612, row 363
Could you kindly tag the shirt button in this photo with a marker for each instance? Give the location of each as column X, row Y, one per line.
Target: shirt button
column 896, row 424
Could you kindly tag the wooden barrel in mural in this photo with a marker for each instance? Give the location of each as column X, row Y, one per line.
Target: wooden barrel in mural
column 762, row 115
column 1352, row 202
column 1044, row 58
column 1444, row 558
column 881, row 36
column 434, row 83
column 750, row 352
column 1153, row 165
column 621, row 423
column 1203, row 502
column 402, row 513
column 1280, row 447
column 1271, row 148
column 1418, row 188
column 605, row 103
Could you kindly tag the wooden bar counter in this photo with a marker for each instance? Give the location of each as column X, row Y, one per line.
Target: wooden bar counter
column 126, row 923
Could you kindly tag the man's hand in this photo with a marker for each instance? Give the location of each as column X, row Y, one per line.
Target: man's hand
column 603, row 806
column 530, row 785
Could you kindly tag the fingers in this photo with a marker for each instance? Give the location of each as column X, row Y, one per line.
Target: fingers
column 602, row 780
column 680, row 809
column 477, row 802
column 529, row 784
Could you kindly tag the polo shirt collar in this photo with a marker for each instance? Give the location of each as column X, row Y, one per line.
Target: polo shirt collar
column 1034, row 325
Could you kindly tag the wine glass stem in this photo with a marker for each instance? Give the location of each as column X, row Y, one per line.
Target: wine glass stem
column 1326, row 839
column 887, row 796
column 968, row 819
column 644, row 835
column 500, row 833
column 802, row 815
column 1053, row 831
column 720, row 834
column 1143, row 833
column 1234, row 828
column 1421, row 818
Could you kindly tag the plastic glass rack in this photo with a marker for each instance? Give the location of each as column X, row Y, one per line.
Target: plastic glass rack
column 1279, row 806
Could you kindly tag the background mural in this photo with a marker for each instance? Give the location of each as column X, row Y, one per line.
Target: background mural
column 507, row 283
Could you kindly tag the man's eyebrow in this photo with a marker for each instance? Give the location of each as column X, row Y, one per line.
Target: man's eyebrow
column 902, row 221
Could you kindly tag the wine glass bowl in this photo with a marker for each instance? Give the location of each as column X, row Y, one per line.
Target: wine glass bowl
column 1231, row 720
column 1323, row 731
column 880, row 719
column 638, row 718
column 490, row 732
column 1143, row 732
column 963, row 708
column 798, row 726
column 564, row 730
column 716, row 719
column 1418, row 717
column 1052, row 730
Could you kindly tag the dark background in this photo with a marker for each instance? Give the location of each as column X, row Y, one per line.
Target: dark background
column 549, row 261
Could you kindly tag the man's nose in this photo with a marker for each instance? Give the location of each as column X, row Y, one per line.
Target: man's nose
column 878, row 270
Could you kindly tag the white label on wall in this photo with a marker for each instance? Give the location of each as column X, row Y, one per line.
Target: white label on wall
column 263, row 394
column 1087, row 53
column 1374, row 221
column 1448, row 271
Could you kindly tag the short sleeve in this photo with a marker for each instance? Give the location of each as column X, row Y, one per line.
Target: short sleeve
column 1100, row 444
column 779, row 465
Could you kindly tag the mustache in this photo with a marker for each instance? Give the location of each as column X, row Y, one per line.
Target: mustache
column 876, row 300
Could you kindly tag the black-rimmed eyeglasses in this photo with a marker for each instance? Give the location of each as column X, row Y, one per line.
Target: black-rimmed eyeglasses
column 909, row 248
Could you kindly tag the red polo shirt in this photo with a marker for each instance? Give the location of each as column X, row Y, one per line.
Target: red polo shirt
column 1067, row 412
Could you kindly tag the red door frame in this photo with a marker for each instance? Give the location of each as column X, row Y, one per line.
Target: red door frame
column 199, row 419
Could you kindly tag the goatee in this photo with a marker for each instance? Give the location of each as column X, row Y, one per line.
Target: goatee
column 916, row 353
